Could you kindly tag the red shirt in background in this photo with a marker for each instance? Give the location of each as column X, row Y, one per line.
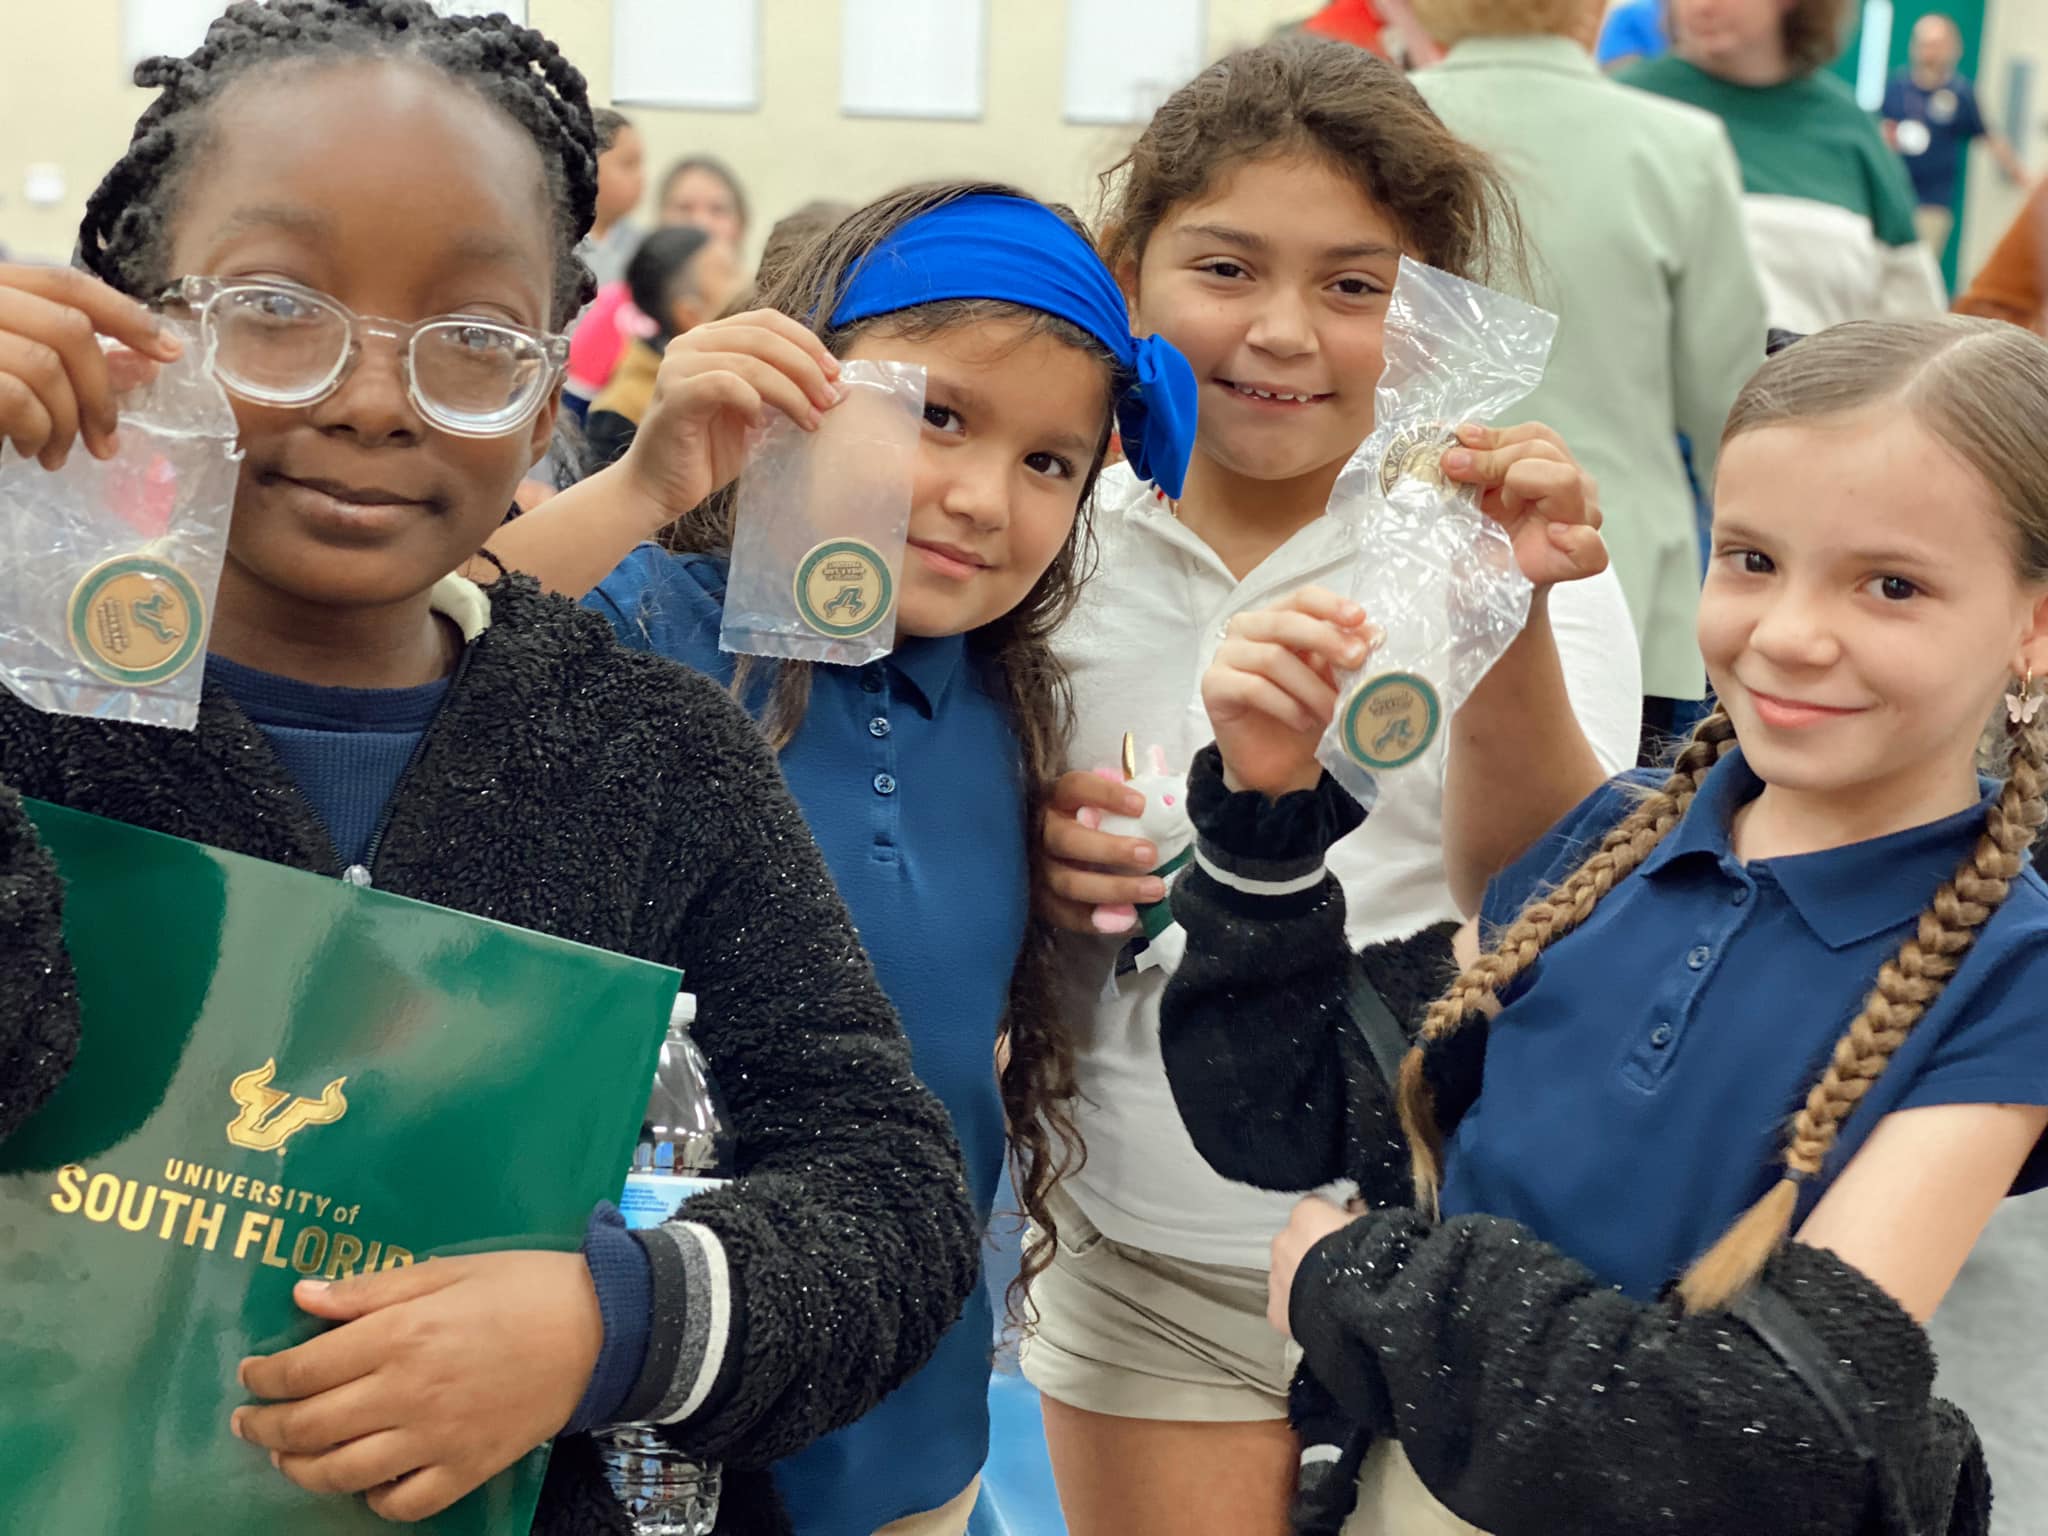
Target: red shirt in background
column 1350, row 21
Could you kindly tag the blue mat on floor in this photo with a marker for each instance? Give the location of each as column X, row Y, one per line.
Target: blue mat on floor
column 1017, row 1493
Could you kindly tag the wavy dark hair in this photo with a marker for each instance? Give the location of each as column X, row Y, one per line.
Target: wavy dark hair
column 124, row 238
column 1014, row 653
column 1348, row 107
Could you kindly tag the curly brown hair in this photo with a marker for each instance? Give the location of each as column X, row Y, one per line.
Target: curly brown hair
column 1981, row 388
column 1348, row 107
column 1015, row 652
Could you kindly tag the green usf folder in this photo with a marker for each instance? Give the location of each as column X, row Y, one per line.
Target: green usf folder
column 280, row 1076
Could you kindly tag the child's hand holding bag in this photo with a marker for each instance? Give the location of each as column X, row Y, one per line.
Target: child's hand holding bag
column 719, row 388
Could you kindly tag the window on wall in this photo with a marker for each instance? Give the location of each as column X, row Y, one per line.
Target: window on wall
column 152, row 27
column 1124, row 59
column 913, row 58
column 701, row 54
column 1873, row 54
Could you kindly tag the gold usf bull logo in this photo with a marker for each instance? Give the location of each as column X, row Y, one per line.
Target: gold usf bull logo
column 270, row 1117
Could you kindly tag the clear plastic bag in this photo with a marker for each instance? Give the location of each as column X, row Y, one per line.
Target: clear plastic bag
column 818, row 536
column 1434, row 573
column 108, row 568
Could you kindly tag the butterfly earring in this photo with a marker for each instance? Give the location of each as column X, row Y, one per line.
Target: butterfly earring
column 2021, row 707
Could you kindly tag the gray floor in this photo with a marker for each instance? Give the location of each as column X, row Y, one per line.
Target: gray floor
column 1991, row 1336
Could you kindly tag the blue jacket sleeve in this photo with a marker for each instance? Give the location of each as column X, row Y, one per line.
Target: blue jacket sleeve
column 672, row 605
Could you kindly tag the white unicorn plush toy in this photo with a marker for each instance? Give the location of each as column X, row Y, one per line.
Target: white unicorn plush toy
column 1164, row 824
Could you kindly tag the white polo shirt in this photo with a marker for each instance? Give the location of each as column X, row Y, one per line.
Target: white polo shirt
column 1147, row 627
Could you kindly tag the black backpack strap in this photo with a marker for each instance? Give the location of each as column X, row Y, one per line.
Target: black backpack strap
column 1789, row 1336
column 1384, row 1036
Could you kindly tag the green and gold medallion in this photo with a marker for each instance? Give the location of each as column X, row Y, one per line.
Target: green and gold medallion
column 137, row 620
column 844, row 589
column 1390, row 720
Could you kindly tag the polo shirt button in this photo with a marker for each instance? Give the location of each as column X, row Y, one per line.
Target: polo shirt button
column 878, row 726
column 1660, row 1037
column 1739, row 896
column 885, row 784
column 871, row 680
column 1699, row 957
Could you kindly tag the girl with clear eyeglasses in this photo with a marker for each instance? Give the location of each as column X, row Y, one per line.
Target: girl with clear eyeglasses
column 369, row 215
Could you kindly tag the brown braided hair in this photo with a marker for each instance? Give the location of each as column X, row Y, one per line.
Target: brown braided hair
column 1980, row 388
column 125, row 236
column 1014, row 651
column 1542, row 923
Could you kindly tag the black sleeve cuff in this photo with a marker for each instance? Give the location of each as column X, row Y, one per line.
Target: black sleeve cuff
column 1264, row 840
column 1363, row 1256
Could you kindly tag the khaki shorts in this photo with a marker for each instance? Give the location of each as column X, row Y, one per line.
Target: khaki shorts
column 1138, row 1335
column 1392, row 1498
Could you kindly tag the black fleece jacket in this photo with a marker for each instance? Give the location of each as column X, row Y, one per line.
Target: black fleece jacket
column 619, row 800
column 1531, row 1398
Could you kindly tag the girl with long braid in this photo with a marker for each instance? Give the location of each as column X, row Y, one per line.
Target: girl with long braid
column 1657, row 1201
column 372, row 214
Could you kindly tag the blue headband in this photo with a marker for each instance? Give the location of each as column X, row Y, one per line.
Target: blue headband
column 1021, row 252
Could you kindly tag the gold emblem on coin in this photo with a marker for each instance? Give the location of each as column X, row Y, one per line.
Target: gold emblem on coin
column 1390, row 720
column 844, row 588
column 137, row 620
column 1416, row 453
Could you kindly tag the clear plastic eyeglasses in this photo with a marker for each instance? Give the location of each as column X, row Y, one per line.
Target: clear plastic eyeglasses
column 276, row 343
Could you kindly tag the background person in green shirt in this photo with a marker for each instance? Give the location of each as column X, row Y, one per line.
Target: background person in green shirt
column 1828, row 207
column 1632, row 208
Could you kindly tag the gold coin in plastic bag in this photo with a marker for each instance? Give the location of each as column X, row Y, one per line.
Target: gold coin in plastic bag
column 1416, row 453
column 1390, row 720
column 137, row 620
column 844, row 589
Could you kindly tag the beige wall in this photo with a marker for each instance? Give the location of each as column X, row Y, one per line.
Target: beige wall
column 2013, row 30
column 62, row 102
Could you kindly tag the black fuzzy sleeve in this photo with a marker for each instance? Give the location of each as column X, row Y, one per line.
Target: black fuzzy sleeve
column 1532, row 1399
column 38, row 995
column 1279, row 1043
column 850, row 1237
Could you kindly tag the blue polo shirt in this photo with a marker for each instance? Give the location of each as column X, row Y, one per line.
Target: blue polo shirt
column 1639, row 1079
column 1946, row 119
column 910, row 776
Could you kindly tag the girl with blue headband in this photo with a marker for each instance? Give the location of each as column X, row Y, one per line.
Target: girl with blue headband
column 923, row 774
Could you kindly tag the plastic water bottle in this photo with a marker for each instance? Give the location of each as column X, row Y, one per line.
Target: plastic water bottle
column 684, row 1149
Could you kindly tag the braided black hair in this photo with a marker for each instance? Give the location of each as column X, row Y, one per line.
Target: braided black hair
column 125, row 235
